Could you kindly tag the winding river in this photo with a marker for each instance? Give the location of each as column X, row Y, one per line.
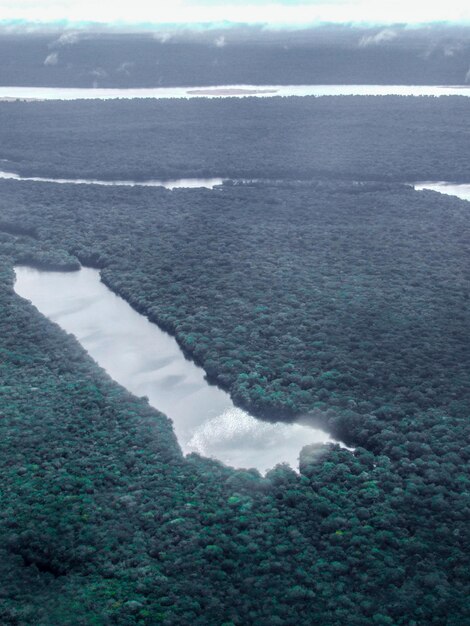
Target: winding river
column 149, row 362
column 229, row 91
column 460, row 190
column 188, row 183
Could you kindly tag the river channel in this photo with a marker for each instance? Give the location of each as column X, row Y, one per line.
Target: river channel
column 187, row 183
column 149, row 362
column 459, row 190
column 229, row 91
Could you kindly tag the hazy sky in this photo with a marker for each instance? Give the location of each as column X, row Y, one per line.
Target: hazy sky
column 277, row 12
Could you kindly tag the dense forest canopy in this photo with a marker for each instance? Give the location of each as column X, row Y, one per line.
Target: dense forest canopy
column 333, row 300
column 342, row 302
column 292, row 297
column 391, row 138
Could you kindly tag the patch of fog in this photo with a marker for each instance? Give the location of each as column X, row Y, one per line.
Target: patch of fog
column 179, row 183
column 461, row 191
column 227, row 91
column 149, row 362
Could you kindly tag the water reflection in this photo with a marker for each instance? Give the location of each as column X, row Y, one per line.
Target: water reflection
column 148, row 362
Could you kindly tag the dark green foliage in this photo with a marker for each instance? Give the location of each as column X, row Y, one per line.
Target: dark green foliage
column 353, row 138
column 297, row 299
column 104, row 522
column 346, row 304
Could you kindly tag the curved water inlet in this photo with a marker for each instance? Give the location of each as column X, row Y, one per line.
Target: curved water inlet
column 227, row 91
column 149, row 362
column 178, row 183
column 459, row 190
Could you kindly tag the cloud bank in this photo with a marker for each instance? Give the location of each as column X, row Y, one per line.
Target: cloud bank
column 271, row 12
column 381, row 37
column 51, row 59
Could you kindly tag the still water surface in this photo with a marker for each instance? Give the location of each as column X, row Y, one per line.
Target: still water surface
column 149, row 362
column 230, row 91
column 460, row 190
column 451, row 189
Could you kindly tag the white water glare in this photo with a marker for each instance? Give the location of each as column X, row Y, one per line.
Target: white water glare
column 148, row 362
column 191, row 183
column 227, row 91
column 461, row 191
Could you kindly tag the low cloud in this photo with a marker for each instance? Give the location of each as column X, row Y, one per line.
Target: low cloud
column 220, row 42
column 384, row 36
column 162, row 37
column 125, row 68
column 66, row 39
column 51, row 59
column 99, row 72
column 451, row 49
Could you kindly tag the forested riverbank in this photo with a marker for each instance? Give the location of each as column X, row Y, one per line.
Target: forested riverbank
column 148, row 362
column 344, row 297
column 104, row 522
column 382, row 138
column 343, row 302
column 317, row 296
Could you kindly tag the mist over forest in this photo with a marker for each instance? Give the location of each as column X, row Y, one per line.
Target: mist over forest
column 367, row 138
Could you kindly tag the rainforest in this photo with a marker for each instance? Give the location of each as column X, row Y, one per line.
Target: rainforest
column 315, row 283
